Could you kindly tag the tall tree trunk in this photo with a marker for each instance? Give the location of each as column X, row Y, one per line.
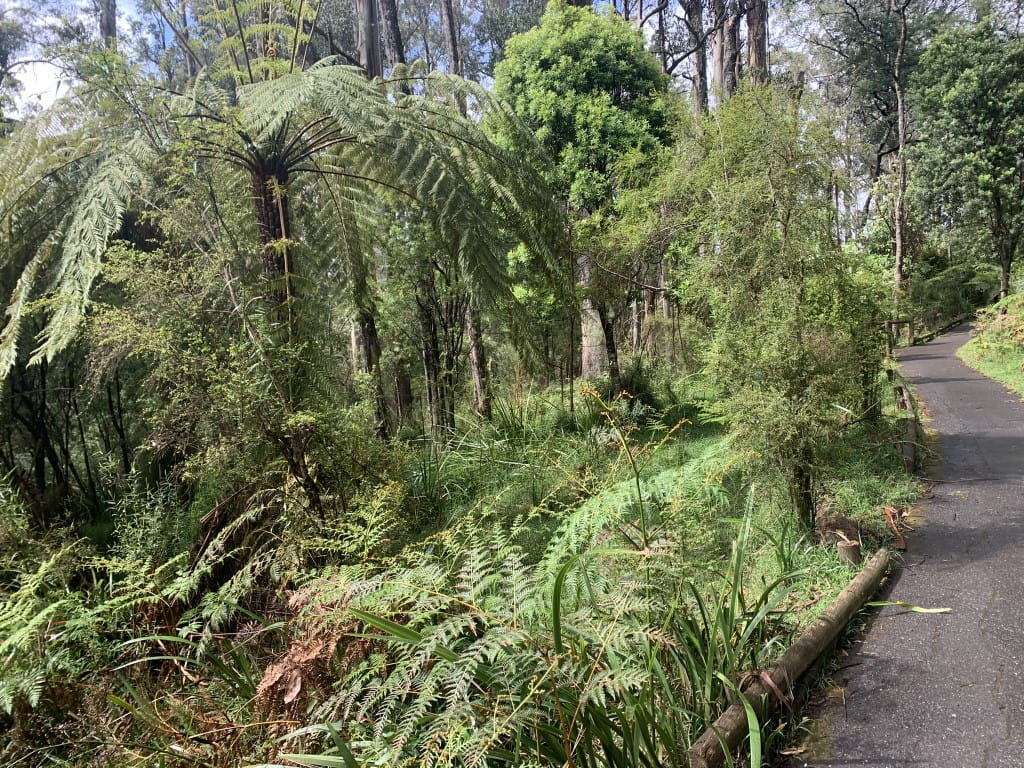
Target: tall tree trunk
column 474, row 323
column 394, row 47
column 1007, row 249
column 757, row 41
column 450, row 27
column 478, row 362
column 694, row 10
column 608, row 327
column 637, row 309
column 368, row 29
column 437, row 375
column 430, row 350
column 666, row 301
column 191, row 65
column 718, row 19
column 593, row 352
column 394, row 51
column 108, row 22
column 370, row 347
column 368, row 37
column 404, row 399
column 661, row 39
column 732, row 64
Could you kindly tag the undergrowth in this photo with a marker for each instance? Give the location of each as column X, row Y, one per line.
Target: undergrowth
column 585, row 593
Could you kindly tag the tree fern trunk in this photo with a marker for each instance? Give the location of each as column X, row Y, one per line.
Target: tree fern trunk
column 272, row 226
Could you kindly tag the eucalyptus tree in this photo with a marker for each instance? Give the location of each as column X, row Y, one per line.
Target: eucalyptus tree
column 871, row 49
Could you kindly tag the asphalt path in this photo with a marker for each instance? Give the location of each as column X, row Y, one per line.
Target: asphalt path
column 947, row 690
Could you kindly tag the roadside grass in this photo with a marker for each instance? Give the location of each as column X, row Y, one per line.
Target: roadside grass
column 1004, row 364
column 997, row 349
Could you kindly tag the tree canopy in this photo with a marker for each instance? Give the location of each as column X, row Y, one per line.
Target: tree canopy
column 971, row 151
column 591, row 94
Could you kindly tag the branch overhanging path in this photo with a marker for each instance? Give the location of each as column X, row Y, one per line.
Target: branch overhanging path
column 944, row 691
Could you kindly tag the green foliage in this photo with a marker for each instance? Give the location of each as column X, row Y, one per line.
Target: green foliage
column 12, row 40
column 794, row 341
column 590, row 92
column 862, row 42
column 422, row 148
column 62, row 609
column 996, row 348
column 564, row 584
column 584, row 658
column 969, row 169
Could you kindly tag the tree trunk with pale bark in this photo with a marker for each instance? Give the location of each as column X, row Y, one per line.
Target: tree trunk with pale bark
column 757, row 41
column 718, row 19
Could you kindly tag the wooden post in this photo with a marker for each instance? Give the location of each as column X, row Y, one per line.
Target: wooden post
column 910, row 445
column 849, row 552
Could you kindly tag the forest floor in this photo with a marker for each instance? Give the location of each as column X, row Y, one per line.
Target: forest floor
column 943, row 690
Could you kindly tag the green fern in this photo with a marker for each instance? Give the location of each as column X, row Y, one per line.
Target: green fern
column 578, row 659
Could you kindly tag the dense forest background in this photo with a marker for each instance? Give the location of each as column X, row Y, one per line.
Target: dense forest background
column 465, row 382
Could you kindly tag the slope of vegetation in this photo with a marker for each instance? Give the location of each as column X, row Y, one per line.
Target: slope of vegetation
column 431, row 384
column 997, row 348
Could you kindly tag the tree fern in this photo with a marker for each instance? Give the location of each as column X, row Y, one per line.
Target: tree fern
column 328, row 122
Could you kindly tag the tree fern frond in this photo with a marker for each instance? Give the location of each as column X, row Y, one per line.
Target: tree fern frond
column 96, row 218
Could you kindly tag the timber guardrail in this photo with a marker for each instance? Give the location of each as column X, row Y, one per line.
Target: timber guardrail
column 729, row 730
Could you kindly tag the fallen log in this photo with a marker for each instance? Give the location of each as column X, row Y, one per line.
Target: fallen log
column 729, row 730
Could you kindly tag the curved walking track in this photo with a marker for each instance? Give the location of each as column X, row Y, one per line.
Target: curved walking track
column 947, row 690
